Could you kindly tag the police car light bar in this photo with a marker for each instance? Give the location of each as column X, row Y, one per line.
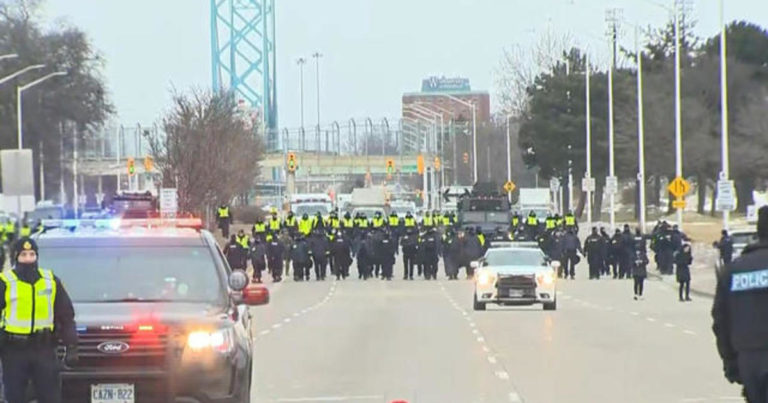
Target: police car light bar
column 116, row 223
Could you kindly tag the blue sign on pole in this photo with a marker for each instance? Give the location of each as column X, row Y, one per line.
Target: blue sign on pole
column 445, row 84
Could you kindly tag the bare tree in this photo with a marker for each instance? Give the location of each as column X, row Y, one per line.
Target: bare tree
column 519, row 67
column 206, row 152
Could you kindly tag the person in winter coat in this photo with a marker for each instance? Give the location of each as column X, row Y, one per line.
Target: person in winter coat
column 594, row 247
column 301, row 258
column 725, row 246
column 627, row 253
column 605, row 270
column 473, row 249
column 341, row 251
column 318, row 244
column 428, row 248
column 683, row 260
column 236, row 255
column 258, row 258
column 616, row 249
column 385, row 251
column 451, row 254
column 275, row 257
column 409, row 242
column 639, row 270
column 571, row 249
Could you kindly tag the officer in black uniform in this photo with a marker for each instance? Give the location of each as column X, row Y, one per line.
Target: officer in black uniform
column 341, row 250
column 739, row 311
column 409, row 242
column 593, row 249
column 300, row 256
column 428, row 249
column 275, row 252
column 29, row 349
column 236, row 255
column 725, row 245
column 258, row 257
column 385, row 249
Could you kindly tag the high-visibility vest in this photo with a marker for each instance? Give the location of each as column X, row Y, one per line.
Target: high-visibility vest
column 290, row 222
column 243, row 241
column 532, row 220
column 349, row 223
column 28, row 307
column 550, row 223
column 9, row 229
column 570, row 220
column 481, row 238
column 305, row 226
column 394, row 221
column 223, row 212
column 25, row 231
column 274, row 224
column 363, row 223
column 428, row 221
column 259, row 228
column 515, row 221
column 269, row 237
column 335, row 223
column 378, row 222
column 559, row 221
column 410, row 222
column 446, row 221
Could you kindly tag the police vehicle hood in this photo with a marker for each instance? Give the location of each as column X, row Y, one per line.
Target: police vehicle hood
column 90, row 314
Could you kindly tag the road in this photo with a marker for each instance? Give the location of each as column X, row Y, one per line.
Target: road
column 376, row 341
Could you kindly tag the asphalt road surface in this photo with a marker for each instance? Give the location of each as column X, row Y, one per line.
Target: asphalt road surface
column 419, row 341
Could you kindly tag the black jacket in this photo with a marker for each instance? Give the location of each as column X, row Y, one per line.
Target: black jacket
column 683, row 262
column 740, row 307
column 594, row 248
column 63, row 311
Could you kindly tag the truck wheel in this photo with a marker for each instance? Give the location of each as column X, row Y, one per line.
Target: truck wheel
column 550, row 306
column 478, row 306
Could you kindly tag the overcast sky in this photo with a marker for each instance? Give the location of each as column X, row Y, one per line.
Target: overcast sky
column 374, row 50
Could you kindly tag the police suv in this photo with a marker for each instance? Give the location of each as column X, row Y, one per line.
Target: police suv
column 160, row 315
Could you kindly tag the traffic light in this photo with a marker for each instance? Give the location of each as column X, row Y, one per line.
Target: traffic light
column 149, row 163
column 466, row 158
column 131, row 166
column 291, row 162
column 390, row 166
column 420, row 164
column 437, row 163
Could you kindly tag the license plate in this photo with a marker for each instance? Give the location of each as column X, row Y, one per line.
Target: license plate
column 112, row 393
column 515, row 293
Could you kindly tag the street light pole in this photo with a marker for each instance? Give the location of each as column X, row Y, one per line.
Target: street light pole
column 19, row 112
column 20, row 72
column 301, row 61
column 611, row 162
column 640, row 133
column 317, row 56
column 9, row 56
column 678, row 111
column 588, row 109
column 509, row 158
column 472, row 106
column 724, row 106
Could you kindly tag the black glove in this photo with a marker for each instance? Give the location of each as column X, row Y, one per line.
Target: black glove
column 731, row 369
column 71, row 356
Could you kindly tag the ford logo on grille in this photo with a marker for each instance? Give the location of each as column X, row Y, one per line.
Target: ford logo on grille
column 113, row 347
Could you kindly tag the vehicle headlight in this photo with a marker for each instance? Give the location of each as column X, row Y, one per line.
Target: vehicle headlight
column 485, row 278
column 545, row 278
column 219, row 340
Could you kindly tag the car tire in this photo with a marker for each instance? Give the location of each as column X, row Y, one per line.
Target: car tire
column 477, row 306
column 550, row 306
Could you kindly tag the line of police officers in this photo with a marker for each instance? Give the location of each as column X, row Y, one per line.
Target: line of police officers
column 307, row 242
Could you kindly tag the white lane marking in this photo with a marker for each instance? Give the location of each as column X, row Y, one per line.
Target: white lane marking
column 492, row 359
column 331, row 398
column 481, row 339
column 515, row 398
column 650, row 319
column 471, row 324
column 474, row 331
column 634, row 313
column 276, row 325
column 502, row 375
column 486, row 349
column 287, row 320
column 692, row 333
column 296, row 314
column 263, row 332
column 669, row 325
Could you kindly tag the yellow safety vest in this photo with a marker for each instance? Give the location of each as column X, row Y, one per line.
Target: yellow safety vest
column 25, row 231
column 259, row 228
column 410, row 222
column 290, row 222
column 550, row 223
column 224, row 212
column 428, row 221
column 305, row 226
column 446, row 221
column 559, row 222
column 335, row 223
column 363, row 223
column 22, row 298
column 394, row 221
column 533, row 221
column 481, row 238
column 274, row 224
column 515, row 221
column 243, row 241
column 349, row 223
column 570, row 220
column 378, row 222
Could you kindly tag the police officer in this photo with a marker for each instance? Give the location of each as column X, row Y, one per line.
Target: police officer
column 378, row 220
column 377, row 256
column 570, row 246
column 290, row 223
column 409, row 222
column 29, row 334
column 738, row 312
column 607, row 254
column 570, row 222
column 26, row 230
column 550, row 223
column 532, row 225
column 258, row 257
column 259, row 230
column 409, row 242
column 515, row 224
column 274, row 221
column 301, row 258
column 627, row 254
column 305, row 226
column 451, row 252
column 593, row 249
column 725, row 246
column 320, row 250
column 429, row 254
column 385, row 249
column 224, row 219
column 275, row 252
column 427, row 222
column 348, row 226
column 341, row 252
column 474, row 249
column 639, row 269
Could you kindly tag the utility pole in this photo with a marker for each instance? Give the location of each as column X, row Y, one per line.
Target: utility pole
column 612, row 17
column 317, row 56
column 301, row 61
column 724, row 106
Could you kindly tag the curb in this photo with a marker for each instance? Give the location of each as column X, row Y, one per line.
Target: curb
column 694, row 291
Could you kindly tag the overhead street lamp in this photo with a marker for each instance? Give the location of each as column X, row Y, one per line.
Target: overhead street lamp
column 9, row 56
column 20, row 72
column 473, row 107
column 19, row 92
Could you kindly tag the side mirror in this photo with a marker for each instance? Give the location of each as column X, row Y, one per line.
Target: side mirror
column 255, row 294
column 474, row 264
column 555, row 264
column 238, row 280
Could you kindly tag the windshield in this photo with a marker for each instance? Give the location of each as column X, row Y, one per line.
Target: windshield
column 311, row 209
column 744, row 238
column 514, row 257
column 93, row 274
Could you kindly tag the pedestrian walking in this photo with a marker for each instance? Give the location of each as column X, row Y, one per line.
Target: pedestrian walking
column 639, row 270
column 301, row 259
column 275, row 257
column 409, row 242
column 258, row 257
column 594, row 247
column 36, row 313
column 235, row 253
column 224, row 219
column 725, row 246
column 683, row 260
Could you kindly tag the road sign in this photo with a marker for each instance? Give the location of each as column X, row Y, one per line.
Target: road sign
column 679, row 204
column 509, row 187
column 169, row 203
column 612, row 185
column 679, row 187
column 17, row 173
column 726, row 196
column 588, row 185
column 554, row 184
